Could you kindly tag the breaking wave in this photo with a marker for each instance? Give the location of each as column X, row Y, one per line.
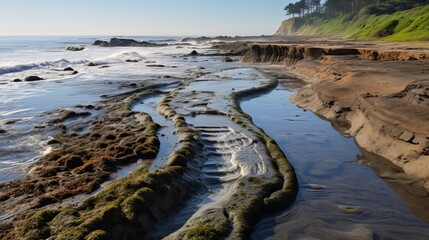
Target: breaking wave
column 115, row 58
column 24, row 67
column 119, row 57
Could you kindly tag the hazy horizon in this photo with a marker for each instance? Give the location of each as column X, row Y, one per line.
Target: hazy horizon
column 140, row 18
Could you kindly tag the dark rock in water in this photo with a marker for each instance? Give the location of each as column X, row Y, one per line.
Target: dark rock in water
column 89, row 106
column 99, row 43
column 131, row 60
column 2, row 131
column 75, row 72
column 53, row 141
column 155, row 65
column 228, row 59
column 68, row 69
column 11, row 121
column 33, row 78
column 17, row 80
column 120, row 42
column 232, row 48
column 92, row 64
column 194, row 53
column 74, row 49
column 105, row 66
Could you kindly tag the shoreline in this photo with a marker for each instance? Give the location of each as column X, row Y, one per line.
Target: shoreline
column 377, row 94
column 226, row 150
column 259, row 173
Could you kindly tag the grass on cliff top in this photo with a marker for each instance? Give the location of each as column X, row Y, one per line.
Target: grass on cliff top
column 408, row 25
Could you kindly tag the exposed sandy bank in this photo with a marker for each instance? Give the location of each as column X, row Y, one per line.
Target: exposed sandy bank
column 379, row 94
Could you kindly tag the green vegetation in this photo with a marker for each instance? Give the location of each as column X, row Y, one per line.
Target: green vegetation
column 394, row 20
column 204, row 231
column 114, row 213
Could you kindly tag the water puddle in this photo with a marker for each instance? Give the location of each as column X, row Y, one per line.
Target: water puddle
column 166, row 135
column 339, row 197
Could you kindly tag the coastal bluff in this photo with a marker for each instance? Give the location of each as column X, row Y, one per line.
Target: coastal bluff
column 377, row 94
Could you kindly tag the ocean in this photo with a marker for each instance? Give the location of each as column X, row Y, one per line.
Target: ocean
column 28, row 104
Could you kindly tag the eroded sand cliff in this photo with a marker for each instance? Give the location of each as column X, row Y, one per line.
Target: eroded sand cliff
column 377, row 94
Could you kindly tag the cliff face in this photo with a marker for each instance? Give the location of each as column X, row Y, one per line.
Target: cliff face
column 380, row 97
column 280, row 53
column 289, row 27
column 289, row 53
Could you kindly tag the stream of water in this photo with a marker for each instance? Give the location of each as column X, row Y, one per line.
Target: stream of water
column 339, row 197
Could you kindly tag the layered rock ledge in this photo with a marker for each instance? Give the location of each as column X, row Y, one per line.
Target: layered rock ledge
column 289, row 53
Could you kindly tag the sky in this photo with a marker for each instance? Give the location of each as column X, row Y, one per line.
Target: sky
column 140, row 17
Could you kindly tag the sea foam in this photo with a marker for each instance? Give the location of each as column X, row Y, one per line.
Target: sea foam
column 114, row 58
column 119, row 57
column 34, row 65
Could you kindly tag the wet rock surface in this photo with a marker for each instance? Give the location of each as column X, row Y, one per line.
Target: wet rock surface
column 120, row 42
column 219, row 148
column 75, row 49
column 33, row 79
column 68, row 69
column 80, row 163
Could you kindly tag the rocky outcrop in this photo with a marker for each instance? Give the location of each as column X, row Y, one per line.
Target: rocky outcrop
column 228, row 59
column 68, row 69
column 75, row 49
column 280, row 53
column 290, row 53
column 192, row 54
column 119, row 42
column 238, row 48
column 32, row 78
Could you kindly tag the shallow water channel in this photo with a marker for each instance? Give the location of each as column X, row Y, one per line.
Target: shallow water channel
column 165, row 134
column 339, row 196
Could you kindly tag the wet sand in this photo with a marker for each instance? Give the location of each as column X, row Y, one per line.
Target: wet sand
column 377, row 93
